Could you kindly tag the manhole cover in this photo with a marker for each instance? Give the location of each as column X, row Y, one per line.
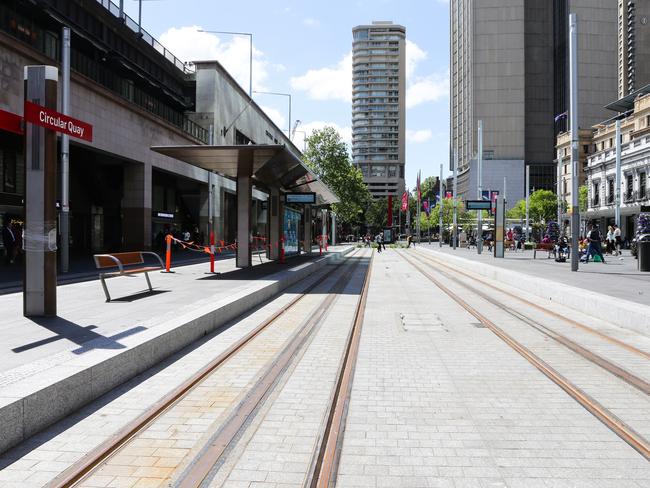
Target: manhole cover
column 421, row 322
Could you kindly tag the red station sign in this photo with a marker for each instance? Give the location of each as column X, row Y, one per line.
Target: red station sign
column 11, row 122
column 51, row 119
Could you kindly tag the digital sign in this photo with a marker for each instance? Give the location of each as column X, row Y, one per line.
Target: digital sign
column 303, row 197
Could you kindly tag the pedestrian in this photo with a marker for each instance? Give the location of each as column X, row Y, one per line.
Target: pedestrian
column 595, row 239
column 408, row 241
column 9, row 240
column 617, row 239
column 378, row 239
column 413, row 241
column 610, row 247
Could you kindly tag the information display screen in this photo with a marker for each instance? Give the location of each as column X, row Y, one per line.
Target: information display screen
column 304, row 197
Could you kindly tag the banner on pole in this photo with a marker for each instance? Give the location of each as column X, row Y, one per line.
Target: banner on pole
column 405, row 202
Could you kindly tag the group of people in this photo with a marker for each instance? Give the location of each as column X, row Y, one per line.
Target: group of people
column 592, row 244
column 378, row 239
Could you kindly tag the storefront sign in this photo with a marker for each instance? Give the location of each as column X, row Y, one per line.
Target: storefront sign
column 51, row 119
column 164, row 215
column 301, row 197
column 478, row 205
column 11, row 122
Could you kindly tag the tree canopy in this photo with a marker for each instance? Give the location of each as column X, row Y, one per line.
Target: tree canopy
column 542, row 207
column 327, row 155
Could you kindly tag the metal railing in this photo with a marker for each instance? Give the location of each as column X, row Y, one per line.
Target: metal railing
column 148, row 38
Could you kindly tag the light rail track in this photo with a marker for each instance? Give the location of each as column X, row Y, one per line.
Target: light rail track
column 196, row 473
column 619, row 427
column 625, row 375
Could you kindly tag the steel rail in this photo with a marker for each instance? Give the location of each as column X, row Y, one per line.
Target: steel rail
column 325, row 463
column 85, row 466
column 198, row 473
column 587, row 354
column 586, row 328
column 616, row 425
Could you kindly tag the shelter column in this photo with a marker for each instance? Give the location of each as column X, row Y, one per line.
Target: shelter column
column 244, row 197
column 276, row 213
column 136, row 207
column 307, row 227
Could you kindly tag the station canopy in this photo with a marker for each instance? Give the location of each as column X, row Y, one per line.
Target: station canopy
column 273, row 166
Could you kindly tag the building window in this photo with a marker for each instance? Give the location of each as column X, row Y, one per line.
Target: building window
column 564, row 187
column 610, row 190
column 642, row 185
column 596, row 193
column 378, row 170
column 8, row 162
column 629, row 187
column 360, row 35
column 365, row 171
column 392, row 171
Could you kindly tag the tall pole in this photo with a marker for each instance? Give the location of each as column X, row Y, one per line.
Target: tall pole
column 617, row 192
column 65, row 153
column 250, row 75
column 288, row 95
column 139, row 16
column 479, row 236
column 455, row 202
column 440, row 209
column 417, row 212
column 527, row 184
column 559, row 194
column 573, row 75
column 121, row 9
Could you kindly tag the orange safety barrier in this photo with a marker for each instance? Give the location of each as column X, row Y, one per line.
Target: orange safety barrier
column 168, row 253
column 211, row 252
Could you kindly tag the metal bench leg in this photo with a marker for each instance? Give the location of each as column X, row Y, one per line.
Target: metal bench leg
column 146, row 275
column 108, row 297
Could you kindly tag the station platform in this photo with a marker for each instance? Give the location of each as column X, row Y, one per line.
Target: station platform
column 615, row 291
column 52, row 367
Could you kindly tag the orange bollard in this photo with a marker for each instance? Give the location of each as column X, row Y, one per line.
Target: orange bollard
column 168, row 254
column 211, row 252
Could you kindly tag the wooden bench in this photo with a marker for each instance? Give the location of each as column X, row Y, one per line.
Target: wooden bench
column 548, row 247
column 123, row 262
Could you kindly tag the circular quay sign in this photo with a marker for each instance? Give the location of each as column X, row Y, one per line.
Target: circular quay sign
column 51, row 119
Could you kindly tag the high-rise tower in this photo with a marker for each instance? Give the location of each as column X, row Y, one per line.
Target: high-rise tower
column 378, row 106
column 633, row 46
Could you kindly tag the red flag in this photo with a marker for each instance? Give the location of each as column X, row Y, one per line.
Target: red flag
column 419, row 191
column 448, row 194
column 405, row 201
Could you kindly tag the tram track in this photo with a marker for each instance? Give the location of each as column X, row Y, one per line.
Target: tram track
column 201, row 465
column 593, row 357
column 602, row 413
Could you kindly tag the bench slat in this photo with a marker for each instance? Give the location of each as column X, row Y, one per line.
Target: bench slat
column 126, row 258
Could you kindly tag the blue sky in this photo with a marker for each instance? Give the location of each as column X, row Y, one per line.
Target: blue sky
column 303, row 48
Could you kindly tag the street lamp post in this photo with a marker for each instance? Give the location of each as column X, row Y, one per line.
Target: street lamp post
column 573, row 77
column 281, row 95
column 250, row 56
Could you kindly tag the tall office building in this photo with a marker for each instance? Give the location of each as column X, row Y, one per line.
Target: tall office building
column 633, row 46
column 509, row 68
column 378, row 106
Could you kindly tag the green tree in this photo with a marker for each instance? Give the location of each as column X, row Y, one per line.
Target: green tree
column 428, row 187
column 376, row 214
column 583, row 193
column 448, row 213
column 542, row 207
column 327, row 155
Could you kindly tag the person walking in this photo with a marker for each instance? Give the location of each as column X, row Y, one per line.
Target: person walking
column 595, row 239
column 611, row 241
column 378, row 240
column 9, row 241
column 617, row 240
column 408, row 241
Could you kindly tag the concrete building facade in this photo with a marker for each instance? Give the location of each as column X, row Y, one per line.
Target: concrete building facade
column 509, row 68
column 633, row 45
column 136, row 94
column 635, row 168
column 378, row 106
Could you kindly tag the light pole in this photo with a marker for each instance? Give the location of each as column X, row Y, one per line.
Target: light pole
column 455, row 202
column 250, row 56
column 573, row 77
column 479, row 237
column 281, row 95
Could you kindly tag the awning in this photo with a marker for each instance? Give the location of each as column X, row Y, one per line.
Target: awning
column 627, row 102
column 273, row 166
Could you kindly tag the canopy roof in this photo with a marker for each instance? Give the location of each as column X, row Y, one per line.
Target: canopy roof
column 273, row 166
column 627, row 102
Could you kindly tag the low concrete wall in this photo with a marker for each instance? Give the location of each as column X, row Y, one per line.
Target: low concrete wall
column 622, row 313
column 76, row 385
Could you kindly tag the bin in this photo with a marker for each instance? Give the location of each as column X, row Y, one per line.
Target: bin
column 643, row 254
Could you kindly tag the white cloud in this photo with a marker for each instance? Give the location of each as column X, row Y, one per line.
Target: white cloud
column 425, row 89
column 310, row 22
column 276, row 116
column 418, row 136
column 413, row 56
column 330, row 83
column 232, row 52
column 305, row 130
